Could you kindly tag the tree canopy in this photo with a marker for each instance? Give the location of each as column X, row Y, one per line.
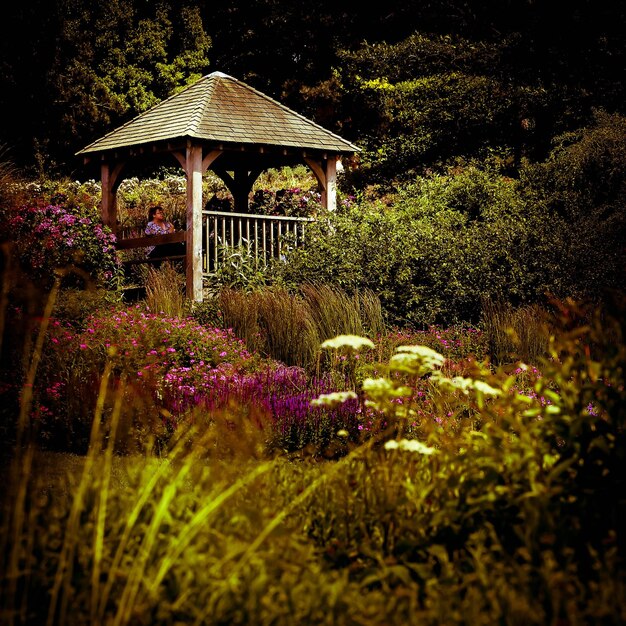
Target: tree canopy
column 417, row 84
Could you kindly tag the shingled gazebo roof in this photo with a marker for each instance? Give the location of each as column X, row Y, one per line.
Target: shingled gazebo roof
column 219, row 109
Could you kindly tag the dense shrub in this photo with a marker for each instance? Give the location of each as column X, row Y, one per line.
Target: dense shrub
column 503, row 486
column 439, row 116
column 583, row 187
column 293, row 202
column 434, row 98
column 444, row 242
column 71, row 194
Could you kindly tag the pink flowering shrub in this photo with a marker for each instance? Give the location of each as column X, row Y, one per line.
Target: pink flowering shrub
column 137, row 335
column 177, row 370
column 142, row 347
column 49, row 237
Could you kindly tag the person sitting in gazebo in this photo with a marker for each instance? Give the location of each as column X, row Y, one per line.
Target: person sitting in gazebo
column 158, row 225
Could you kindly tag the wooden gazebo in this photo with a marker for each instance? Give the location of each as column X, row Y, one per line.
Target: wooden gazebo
column 222, row 124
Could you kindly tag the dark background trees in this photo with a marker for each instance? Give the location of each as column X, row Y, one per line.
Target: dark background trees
column 73, row 70
column 417, row 83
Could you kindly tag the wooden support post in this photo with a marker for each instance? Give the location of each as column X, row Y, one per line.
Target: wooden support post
column 108, row 207
column 110, row 180
column 329, row 195
column 193, row 170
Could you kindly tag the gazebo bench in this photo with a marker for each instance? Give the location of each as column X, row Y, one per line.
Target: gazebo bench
column 146, row 241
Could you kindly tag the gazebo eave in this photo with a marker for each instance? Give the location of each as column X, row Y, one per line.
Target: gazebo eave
column 232, row 154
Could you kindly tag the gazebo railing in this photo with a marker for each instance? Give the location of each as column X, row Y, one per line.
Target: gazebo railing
column 264, row 237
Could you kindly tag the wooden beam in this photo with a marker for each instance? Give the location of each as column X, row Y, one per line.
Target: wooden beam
column 108, row 210
column 116, row 175
column 129, row 243
column 318, row 170
column 228, row 180
column 239, row 184
column 181, row 158
column 208, row 160
column 326, row 174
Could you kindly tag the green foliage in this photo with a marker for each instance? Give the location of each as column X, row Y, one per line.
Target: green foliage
column 118, row 60
column 480, row 238
column 208, row 312
column 435, row 98
column 437, row 117
column 72, row 194
column 288, row 191
column 239, row 268
column 288, row 177
column 405, row 257
column 319, row 261
column 293, row 202
column 76, row 306
column 586, row 169
column 420, row 55
column 442, row 243
column 582, row 186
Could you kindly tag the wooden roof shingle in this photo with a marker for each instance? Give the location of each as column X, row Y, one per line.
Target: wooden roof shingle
column 221, row 109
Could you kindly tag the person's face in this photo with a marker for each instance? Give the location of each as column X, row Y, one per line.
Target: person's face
column 159, row 215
